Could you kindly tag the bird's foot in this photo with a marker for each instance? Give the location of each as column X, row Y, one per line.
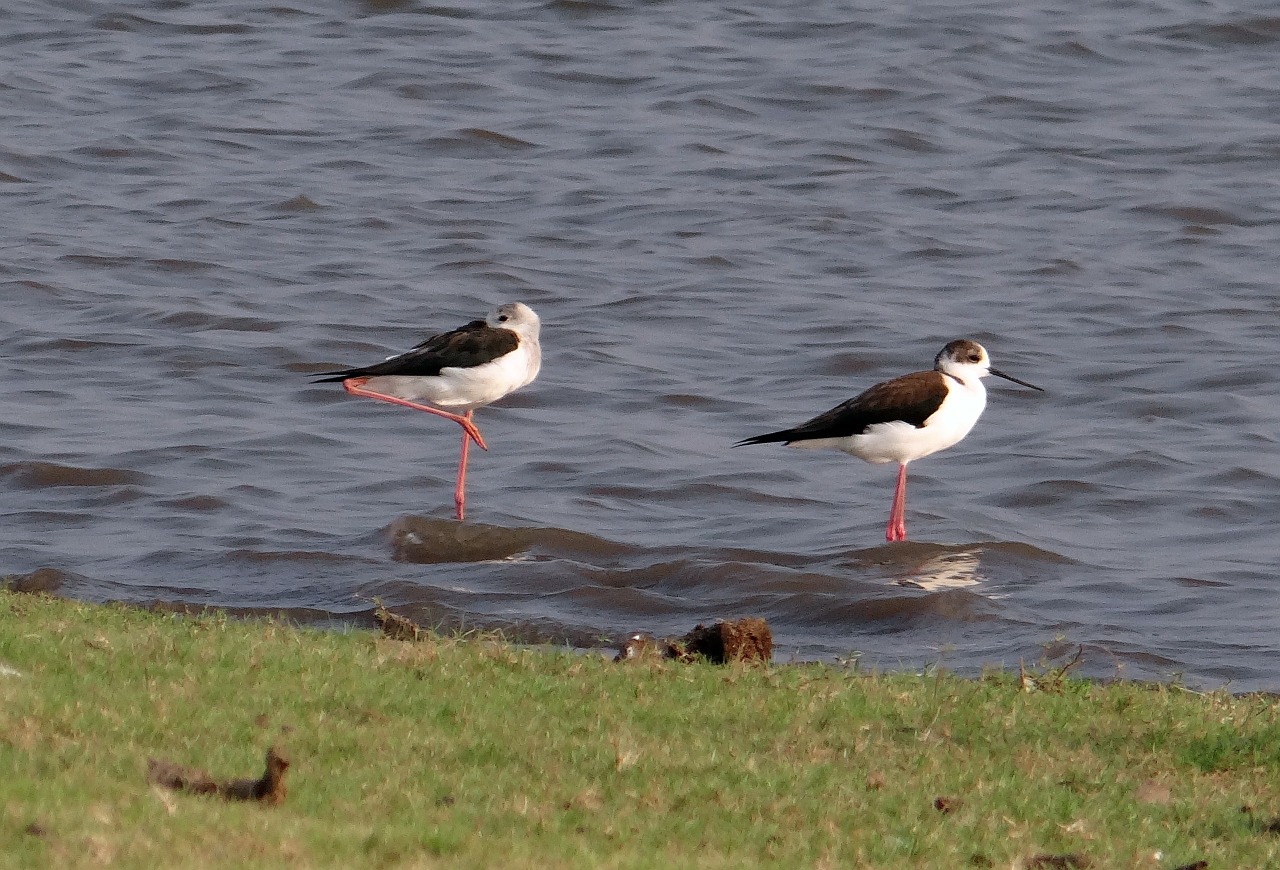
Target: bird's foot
column 474, row 434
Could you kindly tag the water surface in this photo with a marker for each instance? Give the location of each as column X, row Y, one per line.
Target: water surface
column 729, row 218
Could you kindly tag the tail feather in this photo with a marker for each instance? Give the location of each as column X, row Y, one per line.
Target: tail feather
column 785, row 436
column 335, row 377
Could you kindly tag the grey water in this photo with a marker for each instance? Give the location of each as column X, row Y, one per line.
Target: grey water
column 730, row 218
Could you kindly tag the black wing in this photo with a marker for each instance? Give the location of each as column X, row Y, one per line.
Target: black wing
column 465, row 347
column 911, row 398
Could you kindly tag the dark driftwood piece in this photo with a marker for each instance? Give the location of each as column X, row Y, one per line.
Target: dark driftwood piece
column 179, row 777
column 268, row 788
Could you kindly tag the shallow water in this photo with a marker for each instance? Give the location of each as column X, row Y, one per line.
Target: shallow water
column 729, row 219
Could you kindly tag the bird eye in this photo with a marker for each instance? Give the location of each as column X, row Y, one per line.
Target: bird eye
column 502, row 318
column 973, row 357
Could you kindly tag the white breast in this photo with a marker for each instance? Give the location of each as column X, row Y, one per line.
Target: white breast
column 900, row 441
column 464, row 389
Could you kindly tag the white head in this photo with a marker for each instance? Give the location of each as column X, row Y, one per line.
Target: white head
column 964, row 359
column 517, row 317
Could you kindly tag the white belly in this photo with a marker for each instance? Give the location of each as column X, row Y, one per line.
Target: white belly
column 463, row 389
column 901, row 442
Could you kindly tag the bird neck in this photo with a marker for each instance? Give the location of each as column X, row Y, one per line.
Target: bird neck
column 970, row 381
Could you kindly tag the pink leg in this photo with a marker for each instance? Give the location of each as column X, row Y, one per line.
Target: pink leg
column 897, row 528
column 459, row 491
column 355, row 386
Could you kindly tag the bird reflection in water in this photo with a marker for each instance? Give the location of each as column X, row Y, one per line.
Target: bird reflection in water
column 942, row 571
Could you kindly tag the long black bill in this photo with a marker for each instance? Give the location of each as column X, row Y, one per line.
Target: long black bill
column 1000, row 374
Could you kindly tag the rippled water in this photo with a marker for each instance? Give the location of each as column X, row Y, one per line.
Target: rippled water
column 729, row 218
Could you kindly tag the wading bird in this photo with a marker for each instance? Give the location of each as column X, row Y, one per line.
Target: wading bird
column 452, row 374
column 903, row 419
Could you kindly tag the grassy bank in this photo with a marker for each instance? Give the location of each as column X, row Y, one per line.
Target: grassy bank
column 470, row 753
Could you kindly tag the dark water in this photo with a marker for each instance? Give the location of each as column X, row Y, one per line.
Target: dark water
column 730, row 218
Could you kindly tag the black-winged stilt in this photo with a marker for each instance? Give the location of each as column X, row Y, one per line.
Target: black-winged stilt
column 461, row 370
column 904, row 418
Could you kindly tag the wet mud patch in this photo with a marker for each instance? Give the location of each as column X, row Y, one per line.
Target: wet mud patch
column 42, row 581
column 41, row 475
column 430, row 541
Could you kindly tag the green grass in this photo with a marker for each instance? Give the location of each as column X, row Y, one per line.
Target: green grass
column 471, row 753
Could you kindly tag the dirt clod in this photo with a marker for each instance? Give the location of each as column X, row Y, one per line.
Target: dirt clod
column 641, row 647
column 395, row 626
column 742, row 640
column 946, row 805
